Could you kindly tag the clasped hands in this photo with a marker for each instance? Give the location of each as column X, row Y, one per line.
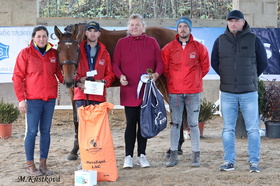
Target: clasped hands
column 124, row 81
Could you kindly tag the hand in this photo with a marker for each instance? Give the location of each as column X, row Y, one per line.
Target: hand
column 81, row 84
column 22, row 106
column 123, row 80
column 83, row 79
column 155, row 76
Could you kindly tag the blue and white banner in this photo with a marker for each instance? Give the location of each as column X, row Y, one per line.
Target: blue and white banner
column 14, row 39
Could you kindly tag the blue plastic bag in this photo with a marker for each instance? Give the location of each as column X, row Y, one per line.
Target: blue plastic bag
column 153, row 113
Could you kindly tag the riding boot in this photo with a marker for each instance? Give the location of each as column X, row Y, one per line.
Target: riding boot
column 43, row 167
column 173, row 160
column 195, row 159
column 31, row 169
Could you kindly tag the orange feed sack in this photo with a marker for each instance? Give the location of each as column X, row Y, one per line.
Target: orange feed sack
column 96, row 142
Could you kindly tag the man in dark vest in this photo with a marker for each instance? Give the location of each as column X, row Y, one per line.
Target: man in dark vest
column 239, row 57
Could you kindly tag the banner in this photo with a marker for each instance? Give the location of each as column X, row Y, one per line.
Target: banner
column 13, row 39
column 271, row 39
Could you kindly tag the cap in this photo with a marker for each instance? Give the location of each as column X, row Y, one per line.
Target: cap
column 184, row 20
column 235, row 14
column 94, row 25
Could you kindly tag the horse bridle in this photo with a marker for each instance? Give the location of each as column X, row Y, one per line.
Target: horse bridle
column 69, row 62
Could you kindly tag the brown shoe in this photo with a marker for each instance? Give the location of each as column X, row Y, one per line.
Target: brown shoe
column 31, row 169
column 43, row 167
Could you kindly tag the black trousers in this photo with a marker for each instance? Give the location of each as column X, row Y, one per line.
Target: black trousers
column 133, row 132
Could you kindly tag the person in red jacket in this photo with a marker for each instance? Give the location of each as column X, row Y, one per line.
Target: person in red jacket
column 94, row 65
column 133, row 55
column 186, row 62
column 35, row 83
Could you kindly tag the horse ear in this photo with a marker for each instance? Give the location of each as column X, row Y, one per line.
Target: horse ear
column 76, row 29
column 57, row 32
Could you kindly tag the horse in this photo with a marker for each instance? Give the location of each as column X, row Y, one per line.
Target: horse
column 68, row 56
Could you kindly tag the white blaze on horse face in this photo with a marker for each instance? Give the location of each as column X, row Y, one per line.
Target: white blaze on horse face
column 68, row 44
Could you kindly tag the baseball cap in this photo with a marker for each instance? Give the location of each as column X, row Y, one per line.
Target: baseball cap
column 94, row 25
column 235, row 14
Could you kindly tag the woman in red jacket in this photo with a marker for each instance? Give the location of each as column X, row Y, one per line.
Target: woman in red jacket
column 35, row 83
column 133, row 55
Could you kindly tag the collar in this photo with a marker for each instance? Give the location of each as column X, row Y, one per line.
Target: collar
column 49, row 46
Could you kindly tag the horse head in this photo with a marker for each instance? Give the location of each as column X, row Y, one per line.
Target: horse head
column 68, row 52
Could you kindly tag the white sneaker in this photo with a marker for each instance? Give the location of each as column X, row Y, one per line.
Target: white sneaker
column 142, row 161
column 128, row 162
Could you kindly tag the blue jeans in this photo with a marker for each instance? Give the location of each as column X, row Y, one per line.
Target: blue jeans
column 248, row 103
column 39, row 116
column 177, row 102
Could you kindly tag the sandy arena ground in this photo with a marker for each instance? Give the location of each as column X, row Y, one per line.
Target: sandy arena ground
column 12, row 158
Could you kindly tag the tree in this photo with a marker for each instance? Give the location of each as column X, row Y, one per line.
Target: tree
column 200, row 9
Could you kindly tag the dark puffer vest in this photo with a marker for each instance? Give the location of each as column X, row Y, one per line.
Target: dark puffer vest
column 238, row 66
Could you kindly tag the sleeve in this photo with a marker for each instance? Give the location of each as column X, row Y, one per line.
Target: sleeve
column 159, row 61
column 204, row 61
column 109, row 75
column 165, row 58
column 260, row 56
column 117, row 60
column 19, row 74
column 215, row 56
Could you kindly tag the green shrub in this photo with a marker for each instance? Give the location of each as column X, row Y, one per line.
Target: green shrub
column 8, row 113
column 207, row 109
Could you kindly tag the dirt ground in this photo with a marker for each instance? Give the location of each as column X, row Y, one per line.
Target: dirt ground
column 12, row 159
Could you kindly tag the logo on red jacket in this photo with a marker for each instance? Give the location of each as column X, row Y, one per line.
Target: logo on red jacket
column 53, row 59
column 192, row 55
column 102, row 62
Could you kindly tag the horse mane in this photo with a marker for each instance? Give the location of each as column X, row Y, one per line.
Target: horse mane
column 69, row 28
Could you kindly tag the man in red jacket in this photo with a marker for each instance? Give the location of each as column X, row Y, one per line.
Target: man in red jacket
column 186, row 62
column 94, row 64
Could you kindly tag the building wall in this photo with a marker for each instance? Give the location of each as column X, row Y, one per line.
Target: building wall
column 260, row 14
column 18, row 12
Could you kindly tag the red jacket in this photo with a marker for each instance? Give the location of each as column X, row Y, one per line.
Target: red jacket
column 102, row 66
column 132, row 57
column 185, row 68
column 35, row 75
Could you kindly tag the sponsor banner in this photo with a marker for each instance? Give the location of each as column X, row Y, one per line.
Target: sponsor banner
column 13, row 39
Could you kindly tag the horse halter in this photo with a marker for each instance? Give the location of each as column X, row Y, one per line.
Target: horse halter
column 69, row 62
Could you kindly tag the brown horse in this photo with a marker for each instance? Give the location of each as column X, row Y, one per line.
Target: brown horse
column 69, row 58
